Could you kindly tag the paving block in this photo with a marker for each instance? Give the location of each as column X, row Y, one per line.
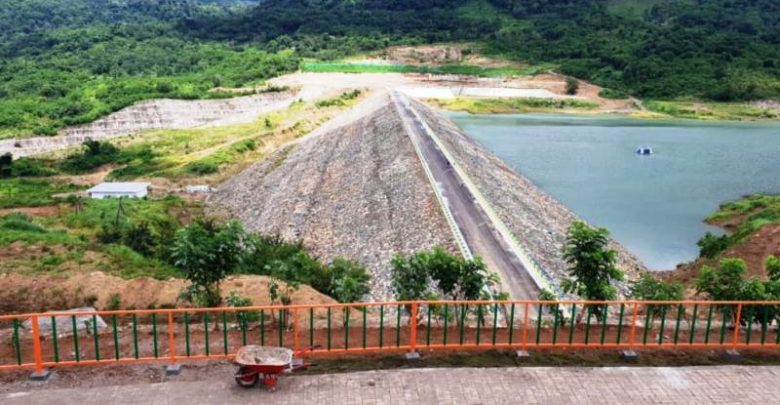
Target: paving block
column 629, row 356
column 173, row 369
column 412, row 356
column 522, row 354
column 732, row 356
column 41, row 376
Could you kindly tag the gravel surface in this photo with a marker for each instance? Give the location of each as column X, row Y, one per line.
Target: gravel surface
column 357, row 190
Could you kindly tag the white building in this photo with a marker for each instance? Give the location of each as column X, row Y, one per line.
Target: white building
column 118, row 189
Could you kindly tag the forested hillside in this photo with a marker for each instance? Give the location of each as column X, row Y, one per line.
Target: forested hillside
column 64, row 62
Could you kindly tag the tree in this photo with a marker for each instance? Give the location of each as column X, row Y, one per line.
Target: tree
column 572, row 86
column 410, row 277
column 723, row 283
column 710, row 245
column 6, row 165
column 772, row 267
column 349, row 280
column 207, row 252
column 591, row 263
column 727, row 283
column 649, row 288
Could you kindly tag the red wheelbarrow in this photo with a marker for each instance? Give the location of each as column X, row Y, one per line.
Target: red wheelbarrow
column 266, row 363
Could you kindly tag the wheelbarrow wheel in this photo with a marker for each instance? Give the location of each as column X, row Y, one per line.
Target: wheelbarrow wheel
column 246, row 378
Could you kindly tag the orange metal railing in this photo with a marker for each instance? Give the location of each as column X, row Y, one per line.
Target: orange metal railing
column 58, row 339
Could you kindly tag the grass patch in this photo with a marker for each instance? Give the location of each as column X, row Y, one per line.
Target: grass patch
column 17, row 227
column 456, row 69
column 513, row 105
column 31, row 193
column 752, row 213
column 128, row 264
column 207, row 152
column 710, row 110
column 347, row 98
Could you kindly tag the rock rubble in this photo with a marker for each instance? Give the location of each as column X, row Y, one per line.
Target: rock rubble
column 357, row 190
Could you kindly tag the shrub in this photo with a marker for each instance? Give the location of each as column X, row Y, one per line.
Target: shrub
column 93, row 155
column 114, row 302
column 613, row 94
column 201, row 168
column 572, row 86
column 711, row 246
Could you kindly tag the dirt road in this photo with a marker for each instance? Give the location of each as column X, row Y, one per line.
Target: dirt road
column 473, row 223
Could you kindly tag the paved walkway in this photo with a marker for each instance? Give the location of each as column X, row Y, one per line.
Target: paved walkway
column 623, row 385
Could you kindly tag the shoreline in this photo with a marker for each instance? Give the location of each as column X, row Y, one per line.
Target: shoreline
column 500, row 106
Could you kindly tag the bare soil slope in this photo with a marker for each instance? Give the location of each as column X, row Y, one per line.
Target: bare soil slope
column 355, row 189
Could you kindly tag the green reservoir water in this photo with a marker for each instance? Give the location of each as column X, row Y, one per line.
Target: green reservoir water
column 654, row 205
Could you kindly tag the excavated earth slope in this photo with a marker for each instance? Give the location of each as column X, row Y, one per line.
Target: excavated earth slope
column 353, row 189
column 539, row 221
column 155, row 114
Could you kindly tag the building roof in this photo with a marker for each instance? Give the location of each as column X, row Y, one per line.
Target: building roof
column 119, row 187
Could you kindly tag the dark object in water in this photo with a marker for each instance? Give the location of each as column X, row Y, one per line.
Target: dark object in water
column 644, row 150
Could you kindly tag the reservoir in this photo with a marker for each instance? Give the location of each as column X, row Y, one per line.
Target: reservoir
column 654, row 205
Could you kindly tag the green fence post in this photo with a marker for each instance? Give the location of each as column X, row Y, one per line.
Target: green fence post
column 311, row 327
column 329, row 331
column 693, row 323
column 680, row 311
column 206, row 333
column 587, row 323
column 663, row 324
column 723, row 328
column 154, row 334
column 446, row 316
column 75, row 338
column 479, row 321
column 764, row 324
column 54, row 340
column 346, row 328
column 556, row 314
column 364, row 326
column 648, row 324
column 463, row 310
column 605, row 311
column 116, row 337
column 381, row 325
column 428, row 328
column 282, row 323
column 539, row 324
column 709, row 324
column 495, row 322
column 749, row 324
column 95, row 337
column 262, row 327
column 17, row 344
column 571, row 327
column 187, row 333
column 398, row 327
column 620, row 323
column 225, row 333
column 135, row 335
column 511, row 322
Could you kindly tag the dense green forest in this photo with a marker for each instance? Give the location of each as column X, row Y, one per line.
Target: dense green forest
column 64, row 62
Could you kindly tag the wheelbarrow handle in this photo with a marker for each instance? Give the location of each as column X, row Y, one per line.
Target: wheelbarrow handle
column 307, row 350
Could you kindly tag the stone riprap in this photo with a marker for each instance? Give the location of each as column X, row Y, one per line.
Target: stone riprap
column 356, row 190
column 155, row 114
column 536, row 219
